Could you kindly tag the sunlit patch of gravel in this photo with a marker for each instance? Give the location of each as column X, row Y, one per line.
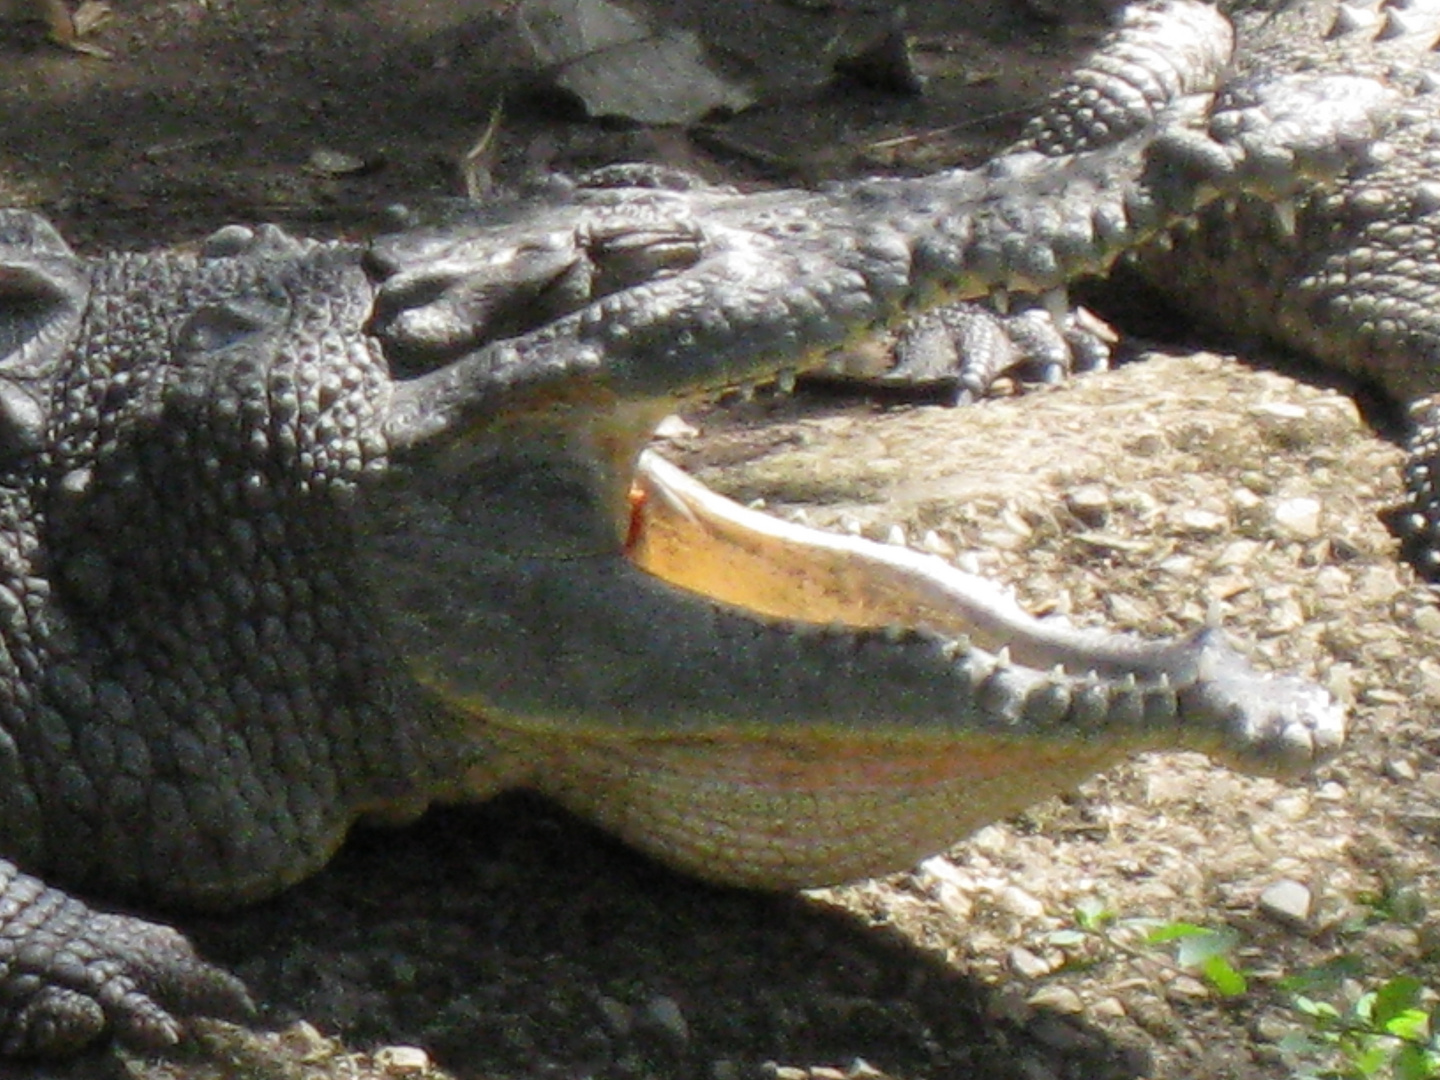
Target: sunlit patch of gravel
column 1172, row 493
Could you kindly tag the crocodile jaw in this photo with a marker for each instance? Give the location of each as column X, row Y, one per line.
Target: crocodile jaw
column 695, row 538
column 774, row 802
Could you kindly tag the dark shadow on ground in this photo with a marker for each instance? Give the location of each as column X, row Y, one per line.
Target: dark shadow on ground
column 215, row 113
column 510, row 940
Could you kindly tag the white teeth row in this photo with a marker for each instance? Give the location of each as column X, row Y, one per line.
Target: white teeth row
column 1386, row 20
column 783, row 383
column 1284, row 211
column 1006, row 690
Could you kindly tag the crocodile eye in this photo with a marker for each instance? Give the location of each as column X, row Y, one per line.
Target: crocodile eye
column 43, row 292
column 428, row 315
column 41, row 286
column 220, row 326
column 28, row 298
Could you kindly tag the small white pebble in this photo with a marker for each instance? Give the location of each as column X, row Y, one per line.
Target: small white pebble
column 1287, row 902
column 1400, row 769
column 1017, row 901
column 402, row 1060
column 1027, row 964
column 1060, row 999
column 1297, row 518
column 1201, row 522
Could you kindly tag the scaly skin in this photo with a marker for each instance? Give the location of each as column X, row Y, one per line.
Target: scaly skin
column 293, row 532
column 1346, row 273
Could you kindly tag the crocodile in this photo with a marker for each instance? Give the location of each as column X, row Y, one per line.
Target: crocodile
column 297, row 533
column 1346, row 274
column 1343, row 274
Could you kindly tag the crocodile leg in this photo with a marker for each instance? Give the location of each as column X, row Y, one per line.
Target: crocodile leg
column 69, row 973
column 1158, row 55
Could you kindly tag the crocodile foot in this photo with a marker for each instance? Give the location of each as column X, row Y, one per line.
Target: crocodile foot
column 963, row 352
column 70, row 975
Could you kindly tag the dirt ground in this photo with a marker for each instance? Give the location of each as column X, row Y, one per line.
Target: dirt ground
column 510, row 941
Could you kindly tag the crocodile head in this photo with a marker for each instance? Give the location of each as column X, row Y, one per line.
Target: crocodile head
column 756, row 701
column 311, row 530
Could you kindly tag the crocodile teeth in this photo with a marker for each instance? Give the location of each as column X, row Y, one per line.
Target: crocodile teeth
column 1047, row 703
column 1057, row 304
column 1003, row 693
column 785, row 381
column 1127, row 701
column 1397, row 25
column 1350, row 19
column 1285, row 216
column 957, row 648
column 1088, row 703
column 1161, row 701
column 1000, row 300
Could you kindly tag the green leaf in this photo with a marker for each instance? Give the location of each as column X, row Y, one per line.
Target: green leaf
column 1320, row 1010
column 1415, row 1063
column 1195, row 950
column 1174, row 931
column 1091, row 913
column 1370, row 1058
column 1412, row 1025
column 1223, row 976
column 1396, row 997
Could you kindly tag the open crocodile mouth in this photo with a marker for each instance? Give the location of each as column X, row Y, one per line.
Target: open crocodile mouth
column 755, row 700
column 691, row 536
column 806, row 707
